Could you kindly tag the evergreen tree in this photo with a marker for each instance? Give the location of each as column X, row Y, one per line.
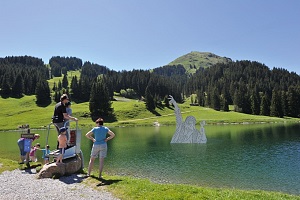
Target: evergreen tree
column 99, row 103
column 265, row 105
column 150, row 103
column 5, row 87
column 224, row 104
column 216, row 100
column 284, row 103
column 18, row 87
column 255, row 102
column 84, row 87
column 59, row 86
column 74, row 87
column 293, row 102
column 201, row 98
column 276, row 106
column 43, row 97
column 65, row 83
column 166, row 101
column 238, row 101
column 54, row 87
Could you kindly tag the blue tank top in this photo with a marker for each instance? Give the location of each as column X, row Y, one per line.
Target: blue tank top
column 100, row 134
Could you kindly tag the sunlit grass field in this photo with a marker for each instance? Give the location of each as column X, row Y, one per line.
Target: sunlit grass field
column 128, row 112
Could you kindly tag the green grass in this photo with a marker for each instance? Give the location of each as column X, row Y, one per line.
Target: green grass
column 133, row 188
column 8, row 165
column 69, row 76
column 15, row 112
column 125, row 187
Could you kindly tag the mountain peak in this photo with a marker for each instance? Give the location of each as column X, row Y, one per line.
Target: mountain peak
column 194, row 60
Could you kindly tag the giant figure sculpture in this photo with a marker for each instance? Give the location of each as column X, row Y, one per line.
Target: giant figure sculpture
column 186, row 131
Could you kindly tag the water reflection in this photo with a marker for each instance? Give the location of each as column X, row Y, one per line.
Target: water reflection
column 264, row 156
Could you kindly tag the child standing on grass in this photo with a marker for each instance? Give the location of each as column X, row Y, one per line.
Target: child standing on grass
column 46, row 152
column 32, row 153
column 62, row 144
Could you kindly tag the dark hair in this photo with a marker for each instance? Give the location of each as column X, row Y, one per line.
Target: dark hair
column 63, row 97
column 99, row 121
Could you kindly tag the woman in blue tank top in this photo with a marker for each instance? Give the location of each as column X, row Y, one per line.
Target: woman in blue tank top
column 99, row 137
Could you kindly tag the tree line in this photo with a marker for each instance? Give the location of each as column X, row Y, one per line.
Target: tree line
column 250, row 86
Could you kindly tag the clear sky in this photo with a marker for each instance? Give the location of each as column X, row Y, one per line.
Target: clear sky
column 137, row 34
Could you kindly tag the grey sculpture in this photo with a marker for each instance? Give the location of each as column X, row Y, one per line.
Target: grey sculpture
column 186, row 131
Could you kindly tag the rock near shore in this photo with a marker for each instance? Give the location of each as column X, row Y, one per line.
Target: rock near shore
column 69, row 166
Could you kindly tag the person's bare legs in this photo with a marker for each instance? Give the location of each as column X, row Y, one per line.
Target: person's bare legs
column 59, row 158
column 101, row 163
column 91, row 164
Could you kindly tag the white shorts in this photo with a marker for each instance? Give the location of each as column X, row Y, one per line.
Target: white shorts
column 99, row 150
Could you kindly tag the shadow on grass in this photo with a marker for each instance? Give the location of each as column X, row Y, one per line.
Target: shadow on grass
column 104, row 182
column 155, row 112
column 30, row 169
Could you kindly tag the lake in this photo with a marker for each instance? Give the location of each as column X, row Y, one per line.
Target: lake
column 251, row 157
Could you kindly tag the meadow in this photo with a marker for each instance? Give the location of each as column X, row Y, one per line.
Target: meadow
column 128, row 112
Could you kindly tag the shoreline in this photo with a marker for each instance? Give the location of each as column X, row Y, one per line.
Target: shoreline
column 170, row 124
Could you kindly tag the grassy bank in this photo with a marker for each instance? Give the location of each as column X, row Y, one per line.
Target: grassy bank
column 134, row 188
column 15, row 112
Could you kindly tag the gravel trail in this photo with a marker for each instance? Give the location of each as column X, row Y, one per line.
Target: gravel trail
column 21, row 184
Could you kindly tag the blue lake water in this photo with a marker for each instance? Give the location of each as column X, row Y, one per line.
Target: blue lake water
column 252, row 157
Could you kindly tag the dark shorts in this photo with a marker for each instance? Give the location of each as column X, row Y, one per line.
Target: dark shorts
column 58, row 125
column 61, row 150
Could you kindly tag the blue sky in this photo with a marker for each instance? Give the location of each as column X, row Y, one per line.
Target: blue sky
column 134, row 34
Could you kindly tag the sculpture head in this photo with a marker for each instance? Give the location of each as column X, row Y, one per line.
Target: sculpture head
column 190, row 122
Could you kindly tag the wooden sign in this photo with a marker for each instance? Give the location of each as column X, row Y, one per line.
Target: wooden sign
column 27, row 135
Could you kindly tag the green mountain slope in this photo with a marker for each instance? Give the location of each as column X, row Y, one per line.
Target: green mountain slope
column 194, row 60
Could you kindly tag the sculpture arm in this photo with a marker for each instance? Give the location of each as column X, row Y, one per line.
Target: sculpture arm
column 176, row 110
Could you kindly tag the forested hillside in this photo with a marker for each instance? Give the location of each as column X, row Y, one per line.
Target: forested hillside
column 250, row 86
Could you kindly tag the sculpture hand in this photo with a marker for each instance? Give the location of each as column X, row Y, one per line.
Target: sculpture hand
column 171, row 100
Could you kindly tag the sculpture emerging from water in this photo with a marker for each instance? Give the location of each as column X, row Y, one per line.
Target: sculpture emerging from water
column 186, row 131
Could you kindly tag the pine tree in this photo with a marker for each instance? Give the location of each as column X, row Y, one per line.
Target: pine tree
column 18, row 87
column 150, row 103
column 265, row 105
column 99, row 103
column 74, row 87
column 43, row 96
column 59, row 85
column 5, row 87
column 276, row 106
column 284, row 103
column 54, row 87
column 216, row 100
column 65, row 83
column 255, row 102
column 293, row 102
